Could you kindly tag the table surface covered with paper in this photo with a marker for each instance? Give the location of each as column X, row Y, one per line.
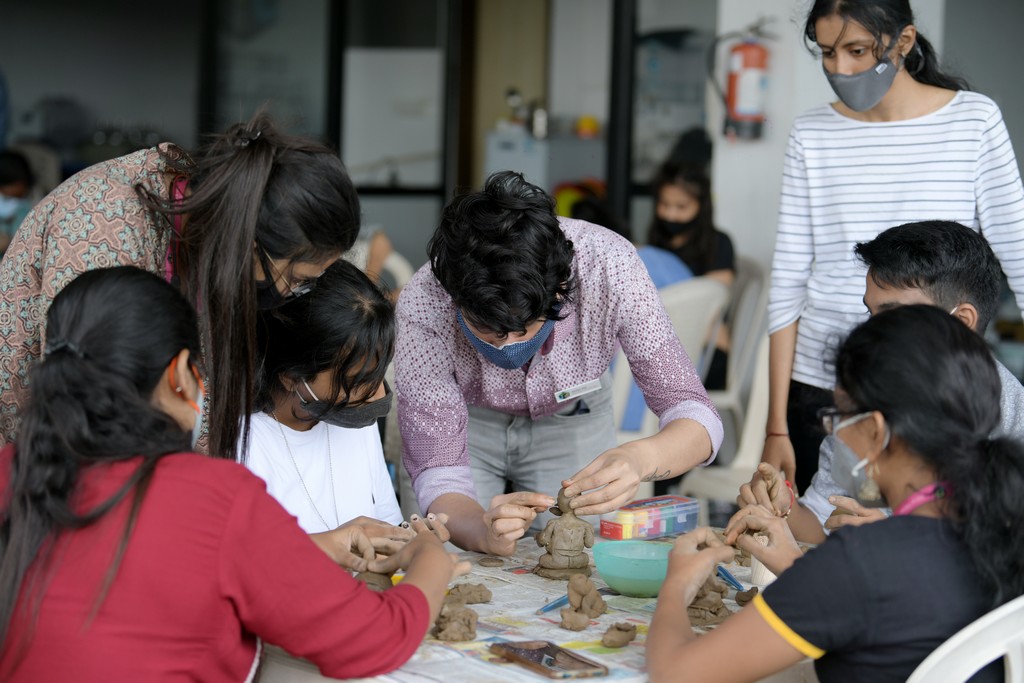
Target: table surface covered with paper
column 511, row 615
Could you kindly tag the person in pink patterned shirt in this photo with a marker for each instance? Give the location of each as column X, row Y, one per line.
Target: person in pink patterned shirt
column 501, row 368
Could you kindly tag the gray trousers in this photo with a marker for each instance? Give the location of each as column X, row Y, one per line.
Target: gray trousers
column 536, row 455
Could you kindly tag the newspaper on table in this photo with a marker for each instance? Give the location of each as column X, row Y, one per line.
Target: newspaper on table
column 511, row 615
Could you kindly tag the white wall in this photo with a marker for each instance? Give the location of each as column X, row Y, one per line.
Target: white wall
column 127, row 63
column 579, row 49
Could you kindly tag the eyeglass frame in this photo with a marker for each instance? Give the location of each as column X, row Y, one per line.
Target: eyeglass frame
column 831, row 418
column 297, row 290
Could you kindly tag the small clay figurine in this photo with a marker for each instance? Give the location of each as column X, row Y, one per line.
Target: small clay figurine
column 707, row 608
column 470, row 593
column 585, row 603
column 374, row 581
column 565, row 538
column 455, row 623
column 743, row 597
column 619, row 635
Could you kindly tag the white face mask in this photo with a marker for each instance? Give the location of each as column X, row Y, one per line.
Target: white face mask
column 10, row 206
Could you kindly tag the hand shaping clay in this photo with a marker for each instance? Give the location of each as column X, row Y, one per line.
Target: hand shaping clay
column 743, row 597
column 375, row 581
column 470, row 593
column 707, row 608
column 564, row 538
column 490, row 561
column 455, row 623
column 585, row 603
column 619, row 635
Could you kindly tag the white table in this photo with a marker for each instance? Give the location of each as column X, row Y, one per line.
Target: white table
column 511, row 615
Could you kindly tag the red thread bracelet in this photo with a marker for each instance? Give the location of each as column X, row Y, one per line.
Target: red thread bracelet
column 792, row 497
column 770, row 434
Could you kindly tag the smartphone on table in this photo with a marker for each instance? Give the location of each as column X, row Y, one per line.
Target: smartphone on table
column 549, row 659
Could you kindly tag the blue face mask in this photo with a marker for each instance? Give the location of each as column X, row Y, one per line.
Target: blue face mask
column 509, row 356
column 9, row 206
column 198, row 426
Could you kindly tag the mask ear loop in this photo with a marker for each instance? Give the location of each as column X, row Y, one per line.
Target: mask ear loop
column 177, row 389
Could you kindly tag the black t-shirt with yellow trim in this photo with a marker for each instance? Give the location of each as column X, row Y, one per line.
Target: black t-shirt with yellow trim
column 872, row 602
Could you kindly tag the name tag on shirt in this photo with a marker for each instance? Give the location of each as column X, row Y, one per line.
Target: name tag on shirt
column 579, row 390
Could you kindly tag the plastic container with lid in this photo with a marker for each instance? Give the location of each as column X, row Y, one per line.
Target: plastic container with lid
column 651, row 518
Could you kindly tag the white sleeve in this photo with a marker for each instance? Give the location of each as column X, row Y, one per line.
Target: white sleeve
column 794, row 245
column 1000, row 202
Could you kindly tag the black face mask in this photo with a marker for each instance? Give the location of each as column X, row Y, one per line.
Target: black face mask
column 349, row 417
column 674, row 229
column 268, row 296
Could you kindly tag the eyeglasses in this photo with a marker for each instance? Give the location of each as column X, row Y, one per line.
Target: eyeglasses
column 832, row 419
column 294, row 288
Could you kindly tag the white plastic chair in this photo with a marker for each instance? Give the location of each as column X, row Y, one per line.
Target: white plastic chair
column 695, row 308
column 748, row 321
column 723, row 483
column 1000, row 633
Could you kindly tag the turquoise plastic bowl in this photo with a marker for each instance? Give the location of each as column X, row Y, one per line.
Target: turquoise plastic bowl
column 633, row 568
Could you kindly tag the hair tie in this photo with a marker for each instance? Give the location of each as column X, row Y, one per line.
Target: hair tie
column 245, row 136
column 64, row 345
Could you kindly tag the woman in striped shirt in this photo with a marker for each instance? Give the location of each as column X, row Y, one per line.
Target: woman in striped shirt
column 905, row 142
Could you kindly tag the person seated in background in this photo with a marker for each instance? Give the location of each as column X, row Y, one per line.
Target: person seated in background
column 16, row 181
column 940, row 263
column 684, row 224
column 917, row 397
column 125, row 556
column 595, row 210
column 320, row 392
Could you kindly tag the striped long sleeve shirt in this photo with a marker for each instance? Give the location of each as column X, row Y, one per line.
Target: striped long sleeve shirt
column 845, row 181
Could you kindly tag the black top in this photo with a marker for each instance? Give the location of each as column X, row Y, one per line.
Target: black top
column 878, row 599
column 725, row 257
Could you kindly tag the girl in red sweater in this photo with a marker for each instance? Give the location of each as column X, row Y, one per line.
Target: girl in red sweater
column 124, row 556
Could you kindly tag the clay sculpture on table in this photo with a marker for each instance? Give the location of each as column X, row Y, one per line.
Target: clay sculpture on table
column 565, row 539
column 707, row 608
column 743, row 597
column 619, row 635
column 374, row 581
column 455, row 623
column 585, row 603
column 470, row 593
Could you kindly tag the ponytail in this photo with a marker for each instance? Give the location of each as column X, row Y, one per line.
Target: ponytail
column 988, row 515
column 922, row 63
column 254, row 193
column 112, row 334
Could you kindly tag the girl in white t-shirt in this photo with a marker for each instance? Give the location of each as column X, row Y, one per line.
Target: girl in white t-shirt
column 319, row 395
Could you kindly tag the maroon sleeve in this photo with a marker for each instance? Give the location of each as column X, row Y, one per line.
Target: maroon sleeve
column 288, row 592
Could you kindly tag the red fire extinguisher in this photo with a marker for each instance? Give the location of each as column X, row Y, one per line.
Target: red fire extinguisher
column 746, row 84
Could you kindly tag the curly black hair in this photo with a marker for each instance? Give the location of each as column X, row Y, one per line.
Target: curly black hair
column 502, row 257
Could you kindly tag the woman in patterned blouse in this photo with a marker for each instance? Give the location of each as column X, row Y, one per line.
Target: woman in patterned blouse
column 253, row 220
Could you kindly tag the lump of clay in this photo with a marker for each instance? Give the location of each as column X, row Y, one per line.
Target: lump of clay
column 490, row 561
column 707, row 608
column 470, row 593
column 455, row 623
column 565, row 538
column 374, row 581
column 743, row 597
column 618, row 635
column 585, row 603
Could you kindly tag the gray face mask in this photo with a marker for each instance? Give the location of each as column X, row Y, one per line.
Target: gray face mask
column 851, row 475
column 863, row 91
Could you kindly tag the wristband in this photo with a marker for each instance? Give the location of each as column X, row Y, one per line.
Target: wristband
column 771, row 434
column 792, row 497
